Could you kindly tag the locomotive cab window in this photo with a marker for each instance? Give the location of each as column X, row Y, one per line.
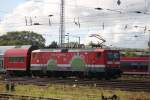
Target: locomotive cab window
column 116, row 55
column 98, row 55
column 112, row 56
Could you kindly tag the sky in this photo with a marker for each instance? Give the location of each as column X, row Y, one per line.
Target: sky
column 6, row 6
column 125, row 25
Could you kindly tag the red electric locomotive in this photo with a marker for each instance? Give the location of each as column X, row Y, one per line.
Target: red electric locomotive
column 94, row 62
column 134, row 65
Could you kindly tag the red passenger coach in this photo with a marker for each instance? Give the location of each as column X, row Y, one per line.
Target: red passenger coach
column 18, row 58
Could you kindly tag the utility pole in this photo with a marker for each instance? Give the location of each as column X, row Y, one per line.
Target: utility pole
column 50, row 19
column 30, row 21
column 79, row 41
column 78, row 37
column 68, row 40
column 26, row 21
column 62, row 22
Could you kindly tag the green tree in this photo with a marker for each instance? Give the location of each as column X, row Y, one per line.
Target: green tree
column 90, row 43
column 53, row 45
column 22, row 38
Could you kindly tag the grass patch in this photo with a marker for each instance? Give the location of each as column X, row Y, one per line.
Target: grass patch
column 67, row 92
column 2, row 87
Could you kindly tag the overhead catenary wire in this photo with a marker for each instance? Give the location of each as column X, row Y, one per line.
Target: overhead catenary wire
column 107, row 19
column 82, row 22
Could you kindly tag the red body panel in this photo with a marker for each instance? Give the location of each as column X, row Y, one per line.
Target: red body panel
column 64, row 58
column 16, row 65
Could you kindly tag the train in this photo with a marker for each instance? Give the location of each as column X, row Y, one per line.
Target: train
column 65, row 62
column 134, row 65
column 94, row 62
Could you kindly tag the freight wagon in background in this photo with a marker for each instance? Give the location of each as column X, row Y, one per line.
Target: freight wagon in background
column 134, row 65
column 63, row 62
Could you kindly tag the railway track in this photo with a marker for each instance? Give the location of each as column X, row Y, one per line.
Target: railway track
column 126, row 85
column 7, row 96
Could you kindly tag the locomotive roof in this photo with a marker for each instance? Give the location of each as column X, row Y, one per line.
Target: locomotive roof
column 23, row 46
column 70, row 50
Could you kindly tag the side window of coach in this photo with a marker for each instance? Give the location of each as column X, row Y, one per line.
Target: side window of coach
column 10, row 59
column 21, row 59
column 16, row 59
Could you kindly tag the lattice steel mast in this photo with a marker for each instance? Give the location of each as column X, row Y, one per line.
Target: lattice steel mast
column 62, row 24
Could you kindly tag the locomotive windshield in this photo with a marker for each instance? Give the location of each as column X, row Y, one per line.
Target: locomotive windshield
column 112, row 56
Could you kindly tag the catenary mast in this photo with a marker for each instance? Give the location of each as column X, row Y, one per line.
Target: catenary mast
column 62, row 24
